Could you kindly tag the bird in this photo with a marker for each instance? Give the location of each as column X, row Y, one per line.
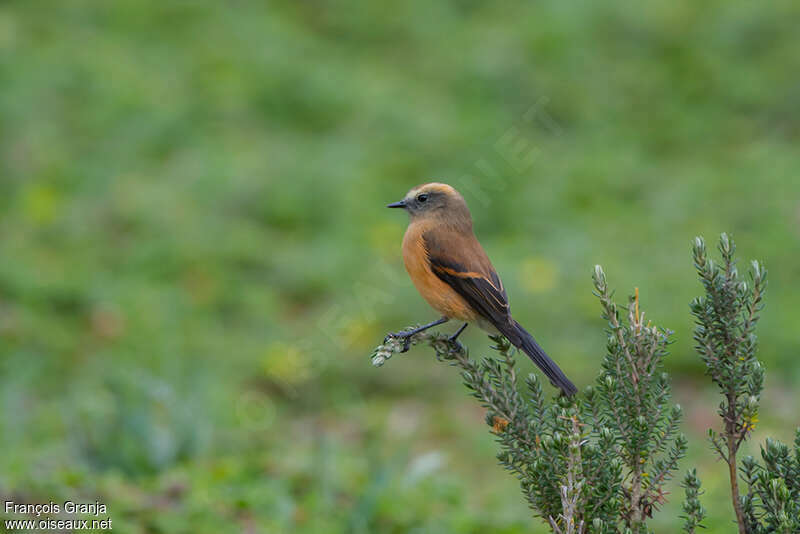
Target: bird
column 452, row 272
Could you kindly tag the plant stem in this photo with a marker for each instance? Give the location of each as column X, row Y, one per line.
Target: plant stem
column 732, row 471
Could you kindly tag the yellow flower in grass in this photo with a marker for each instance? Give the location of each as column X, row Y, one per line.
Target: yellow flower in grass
column 286, row 363
column 40, row 203
column 538, row 275
column 358, row 332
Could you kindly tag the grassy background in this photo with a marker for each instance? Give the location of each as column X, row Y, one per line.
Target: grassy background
column 197, row 262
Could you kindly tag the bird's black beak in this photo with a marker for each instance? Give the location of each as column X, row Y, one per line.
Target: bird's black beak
column 400, row 204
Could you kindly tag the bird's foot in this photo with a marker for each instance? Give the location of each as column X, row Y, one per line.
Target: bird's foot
column 453, row 340
column 405, row 336
column 455, row 344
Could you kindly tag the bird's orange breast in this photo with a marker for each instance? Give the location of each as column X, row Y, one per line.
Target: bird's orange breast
column 437, row 293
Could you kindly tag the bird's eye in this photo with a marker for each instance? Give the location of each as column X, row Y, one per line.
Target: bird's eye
column 422, row 198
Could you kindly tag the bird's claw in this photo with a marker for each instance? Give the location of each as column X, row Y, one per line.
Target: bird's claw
column 405, row 336
column 392, row 335
column 454, row 343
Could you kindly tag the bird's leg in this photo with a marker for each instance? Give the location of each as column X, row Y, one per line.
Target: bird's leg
column 406, row 335
column 454, row 338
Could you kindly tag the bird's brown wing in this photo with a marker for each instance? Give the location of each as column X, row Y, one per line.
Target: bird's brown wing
column 459, row 260
column 461, row 263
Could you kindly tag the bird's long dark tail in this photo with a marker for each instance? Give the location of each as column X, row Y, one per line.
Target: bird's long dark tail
column 520, row 338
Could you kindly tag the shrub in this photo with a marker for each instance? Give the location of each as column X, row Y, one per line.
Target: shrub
column 596, row 462
column 726, row 317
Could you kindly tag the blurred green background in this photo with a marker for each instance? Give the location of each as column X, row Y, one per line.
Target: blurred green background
column 196, row 262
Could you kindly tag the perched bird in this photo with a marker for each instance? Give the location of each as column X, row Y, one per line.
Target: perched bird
column 452, row 272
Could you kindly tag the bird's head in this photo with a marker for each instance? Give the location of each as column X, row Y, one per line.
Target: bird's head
column 434, row 200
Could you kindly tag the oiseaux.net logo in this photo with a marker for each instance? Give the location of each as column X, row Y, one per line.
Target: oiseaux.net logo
column 45, row 516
